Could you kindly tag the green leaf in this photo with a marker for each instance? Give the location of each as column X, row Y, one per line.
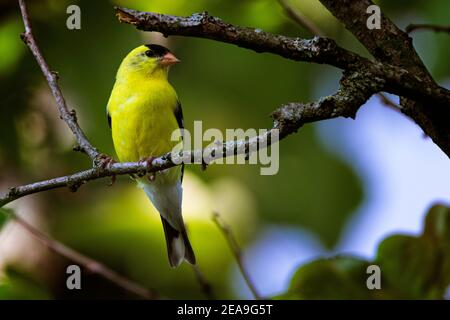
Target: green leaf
column 419, row 267
column 411, row 268
column 437, row 224
column 407, row 263
column 340, row 277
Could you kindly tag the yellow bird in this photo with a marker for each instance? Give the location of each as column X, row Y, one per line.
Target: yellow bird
column 143, row 111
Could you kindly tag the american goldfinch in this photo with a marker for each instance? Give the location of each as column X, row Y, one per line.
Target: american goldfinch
column 143, row 111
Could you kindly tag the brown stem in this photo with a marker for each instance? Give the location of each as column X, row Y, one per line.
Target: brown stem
column 301, row 19
column 304, row 22
column 89, row 264
column 390, row 45
column 389, row 103
column 205, row 285
column 432, row 27
column 236, row 250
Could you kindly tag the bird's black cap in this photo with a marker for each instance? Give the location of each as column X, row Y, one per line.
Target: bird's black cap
column 157, row 50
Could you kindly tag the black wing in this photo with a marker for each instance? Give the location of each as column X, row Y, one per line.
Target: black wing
column 179, row 116
column 109, row 119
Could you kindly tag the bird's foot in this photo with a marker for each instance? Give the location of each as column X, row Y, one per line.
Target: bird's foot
column 104, row 162
column 152, row 175
column 112, row 181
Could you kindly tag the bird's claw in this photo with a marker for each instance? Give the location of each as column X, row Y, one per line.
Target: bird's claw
column 112, row 181
column 151, row 176
column 103, row 161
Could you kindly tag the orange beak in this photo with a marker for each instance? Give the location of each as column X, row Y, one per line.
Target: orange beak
column 168, row 59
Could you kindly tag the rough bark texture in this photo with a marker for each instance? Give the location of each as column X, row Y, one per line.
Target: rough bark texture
column 317, row 50
column 398, row 64
column 391, row 45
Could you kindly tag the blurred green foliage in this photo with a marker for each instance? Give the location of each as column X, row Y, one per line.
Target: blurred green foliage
column 411, row 267
column 222, row 85
column 19, row 286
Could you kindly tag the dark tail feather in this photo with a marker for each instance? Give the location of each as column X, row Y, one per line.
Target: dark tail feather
column 178, row 245
column 188, row 252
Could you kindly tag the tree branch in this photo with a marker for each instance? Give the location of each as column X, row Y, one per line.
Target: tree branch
column 202, row 25
column 205, row 285
column 355, row 90
column 89, row 264
column 317, row 50
column 393, row 46
column 304, row 22
column 52, row 78
column 406, row 79
column 236, row 250
column 432, row 27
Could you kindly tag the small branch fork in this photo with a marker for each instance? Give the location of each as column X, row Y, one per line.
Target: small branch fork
column 392, row 46
column 312, row 28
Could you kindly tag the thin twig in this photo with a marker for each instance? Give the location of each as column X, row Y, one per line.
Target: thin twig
column 205, row 285
column 90, row 264
column 432, row 27
column 52, row 78
column 236, row 250
column 388, row 102
column 300, row 19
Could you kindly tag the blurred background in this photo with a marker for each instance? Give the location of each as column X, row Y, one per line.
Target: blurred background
column 342, row 187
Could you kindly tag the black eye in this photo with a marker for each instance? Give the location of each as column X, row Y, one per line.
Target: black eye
column 149, row 53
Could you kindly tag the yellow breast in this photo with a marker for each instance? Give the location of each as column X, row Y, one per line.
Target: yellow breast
column 142, row 118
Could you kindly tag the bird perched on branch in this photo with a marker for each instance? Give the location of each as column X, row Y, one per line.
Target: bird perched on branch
column 143, row 112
